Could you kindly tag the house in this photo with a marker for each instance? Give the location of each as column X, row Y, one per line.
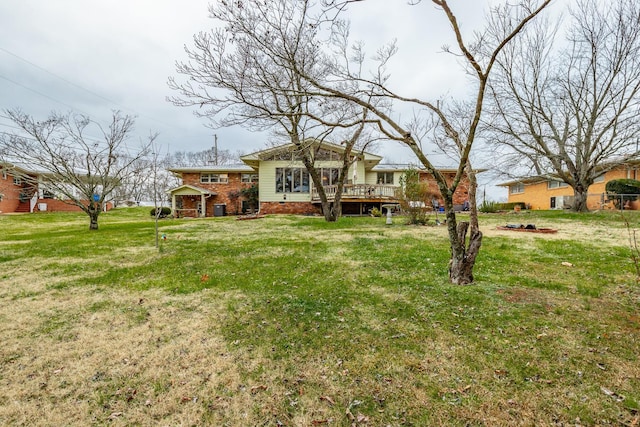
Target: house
column 23, row 189
column 549, row 192
column 286, row 187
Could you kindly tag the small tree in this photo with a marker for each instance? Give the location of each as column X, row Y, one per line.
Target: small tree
column 84, row 170
column 251, row 194
column 234, row 196
column 416, row 197
column 622, row 191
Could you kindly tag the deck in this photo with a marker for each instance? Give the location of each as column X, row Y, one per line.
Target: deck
column 358, row 192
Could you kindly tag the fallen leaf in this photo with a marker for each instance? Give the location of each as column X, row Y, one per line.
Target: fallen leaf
column 204, row 277
column 362, row 418
column 258, row 388
column 613, row 394
column 328, row 399
column 350, row 415
column 567, row 264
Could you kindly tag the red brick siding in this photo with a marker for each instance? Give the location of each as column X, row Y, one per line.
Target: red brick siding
column 459, row 197
column 222, row 193
column 299, row 208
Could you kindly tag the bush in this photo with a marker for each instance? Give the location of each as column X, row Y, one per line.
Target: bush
column 489, row 206
column 375, row 212
column 511, row 206
column 162, row 212
column 622, row 190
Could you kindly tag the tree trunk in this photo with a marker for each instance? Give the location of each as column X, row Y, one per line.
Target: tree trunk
column 580, row 193
column 463, row 255
column 93, row 211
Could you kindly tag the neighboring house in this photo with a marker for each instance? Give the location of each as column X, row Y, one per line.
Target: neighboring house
column 24, row 190
column 286, row 187
column 549, row 192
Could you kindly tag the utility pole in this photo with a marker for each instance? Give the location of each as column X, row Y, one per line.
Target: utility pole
column 215, row 150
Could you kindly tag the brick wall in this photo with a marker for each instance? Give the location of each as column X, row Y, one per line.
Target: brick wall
column 55, row 205
column 459, row 197
column 222, row 191
column 299, row 208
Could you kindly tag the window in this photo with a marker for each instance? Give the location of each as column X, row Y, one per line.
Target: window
column 249, row 177
column 329, row 176
column 556, row 184
column 292, row 180
column 214, row 178
column 385, row 178
column 516, row 188
column 17, row 180
column 599, row 178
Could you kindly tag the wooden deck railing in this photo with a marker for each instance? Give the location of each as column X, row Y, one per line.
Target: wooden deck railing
column 358, row 191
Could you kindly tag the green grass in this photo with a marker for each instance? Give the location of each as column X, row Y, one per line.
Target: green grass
column 318, row 322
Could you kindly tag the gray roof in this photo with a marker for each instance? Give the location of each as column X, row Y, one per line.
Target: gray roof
column 215, row 168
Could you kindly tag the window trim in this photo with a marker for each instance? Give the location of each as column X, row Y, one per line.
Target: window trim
column 382, row 178
column 221, row 178
column 557, row 184
column 516, row 188
column 249, row 178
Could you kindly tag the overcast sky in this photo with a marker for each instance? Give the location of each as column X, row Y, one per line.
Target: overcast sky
column 93, row 57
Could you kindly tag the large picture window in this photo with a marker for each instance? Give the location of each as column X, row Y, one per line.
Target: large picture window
column 292, row 180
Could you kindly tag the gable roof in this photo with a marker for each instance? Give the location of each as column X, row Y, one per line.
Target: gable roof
column 255, row 158
column 191, row 190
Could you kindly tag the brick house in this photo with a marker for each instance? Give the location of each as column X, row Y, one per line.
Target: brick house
column 286, row 187
column 23, row 189
column 549, row 192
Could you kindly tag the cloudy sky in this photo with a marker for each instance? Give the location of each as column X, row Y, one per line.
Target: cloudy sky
column 93, row 57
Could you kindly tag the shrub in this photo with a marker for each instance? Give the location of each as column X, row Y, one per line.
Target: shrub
column 376, row 212
column 416, row 197
column 489, row 206
column 162, row 212
column 622, row 190
column 511, row 206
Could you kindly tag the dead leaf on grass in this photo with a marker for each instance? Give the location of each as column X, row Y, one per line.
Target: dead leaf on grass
column 258, row 388
column 328, row 399
column 567, row 264
column 614, row 395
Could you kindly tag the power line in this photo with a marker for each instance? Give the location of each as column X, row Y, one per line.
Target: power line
column 74, row 85
column 42, row 94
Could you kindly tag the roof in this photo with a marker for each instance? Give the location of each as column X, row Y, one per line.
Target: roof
column 239, row 167
column 187, row 189
column 254, row 158
column 401, row 167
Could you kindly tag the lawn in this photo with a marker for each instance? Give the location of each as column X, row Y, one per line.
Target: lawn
column 292, row 321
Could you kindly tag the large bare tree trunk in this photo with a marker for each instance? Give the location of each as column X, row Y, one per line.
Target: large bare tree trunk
column 580, row 198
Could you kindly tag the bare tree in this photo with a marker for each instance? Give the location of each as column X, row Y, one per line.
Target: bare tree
column 570, row 107
column 248, row 73
column 479, row 57
column 84, row 170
